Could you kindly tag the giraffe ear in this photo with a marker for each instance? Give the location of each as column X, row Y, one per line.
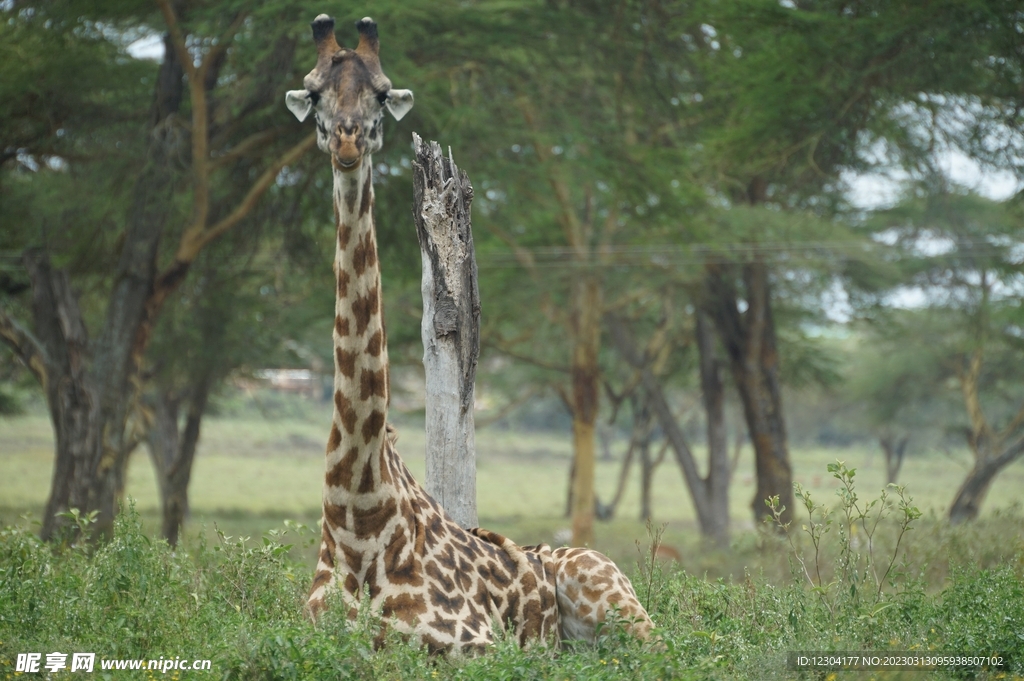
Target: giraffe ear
column 399, row 102
column 299, row 103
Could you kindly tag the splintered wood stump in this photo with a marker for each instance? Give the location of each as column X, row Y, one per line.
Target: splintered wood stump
column 450, row 327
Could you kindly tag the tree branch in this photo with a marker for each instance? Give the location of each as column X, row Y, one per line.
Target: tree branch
column 197, row 236
column 177, row 38
column 26, row 347
column 570, row 221
column 1016, row 422
column 524, row 358
column 220, row 46
column 244, row 147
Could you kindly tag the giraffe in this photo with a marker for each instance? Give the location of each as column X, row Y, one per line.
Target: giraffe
column 382, row 533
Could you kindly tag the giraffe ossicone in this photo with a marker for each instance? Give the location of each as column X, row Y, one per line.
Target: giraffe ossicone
column 382, row 533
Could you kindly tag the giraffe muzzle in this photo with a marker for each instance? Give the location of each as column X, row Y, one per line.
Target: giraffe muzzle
column 347, row 154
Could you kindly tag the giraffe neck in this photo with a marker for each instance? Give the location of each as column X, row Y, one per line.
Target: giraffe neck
column 354, row 450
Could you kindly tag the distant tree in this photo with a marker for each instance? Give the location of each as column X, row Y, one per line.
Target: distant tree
column 960, row 255
column 228, row 89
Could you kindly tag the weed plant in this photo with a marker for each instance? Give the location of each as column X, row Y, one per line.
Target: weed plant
column 855, row 585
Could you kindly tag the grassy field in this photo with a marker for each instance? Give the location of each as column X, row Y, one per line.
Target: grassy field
column 720, row 615
column 252, row 472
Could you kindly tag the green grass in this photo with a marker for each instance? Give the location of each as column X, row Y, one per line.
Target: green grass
column 728, row 615
column 239, row 605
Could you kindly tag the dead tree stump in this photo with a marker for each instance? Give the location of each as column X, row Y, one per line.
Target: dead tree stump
column 450, row 327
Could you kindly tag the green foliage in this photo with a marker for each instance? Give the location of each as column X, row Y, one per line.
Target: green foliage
column 240, row 602
column 860, row 571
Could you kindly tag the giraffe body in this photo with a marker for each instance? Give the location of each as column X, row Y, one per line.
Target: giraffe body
column 382, row 533
column 589, row 585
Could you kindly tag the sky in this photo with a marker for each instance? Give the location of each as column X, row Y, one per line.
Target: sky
column 875, row 190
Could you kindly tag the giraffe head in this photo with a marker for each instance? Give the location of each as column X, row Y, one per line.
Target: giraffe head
column 347, row 93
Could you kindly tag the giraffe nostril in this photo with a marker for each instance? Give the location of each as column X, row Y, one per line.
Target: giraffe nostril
column 348, row 130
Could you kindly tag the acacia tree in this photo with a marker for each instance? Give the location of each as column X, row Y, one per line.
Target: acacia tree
column 559, row 150
column 92, row 382
column 960, row 252
column 790, row 95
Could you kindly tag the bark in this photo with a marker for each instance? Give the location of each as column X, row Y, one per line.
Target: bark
column 585, row 374
column 450, row 328
column 750, row 344
column 993, row 450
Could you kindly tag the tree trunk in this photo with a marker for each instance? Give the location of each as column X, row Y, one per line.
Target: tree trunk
column 697, row 486
column 173, row 453
column 90, row 404
column 750, row 343
column 162, row 441
column 713, row 394
column 450, row 328
column 585, row 374
column 894, row 451
column 646, row 477
column 969, row 498
column 70, row 391
column 620, row 487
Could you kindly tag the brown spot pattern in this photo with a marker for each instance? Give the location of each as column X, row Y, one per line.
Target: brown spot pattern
column 374, row 345
column 363, row 309
column 341, row 326
column 366, row 481
column 385, row 469
column 406, row 606
column 353, row 558
column 340, row 474
column 371, row 522
column 343, row 278
column 449, row 602
column 335, row 439
column 346, row 362
column 351, row 584
column 371, row 383
column 373, row 425
column 364, row 203
column 344, row 234
column 334, row 515
column 320, row 579
column 345, row 412
column 403, row 572
column 364, row 255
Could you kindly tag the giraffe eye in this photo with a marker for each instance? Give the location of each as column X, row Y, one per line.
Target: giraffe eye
column 382, row 97
column 314, row 98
